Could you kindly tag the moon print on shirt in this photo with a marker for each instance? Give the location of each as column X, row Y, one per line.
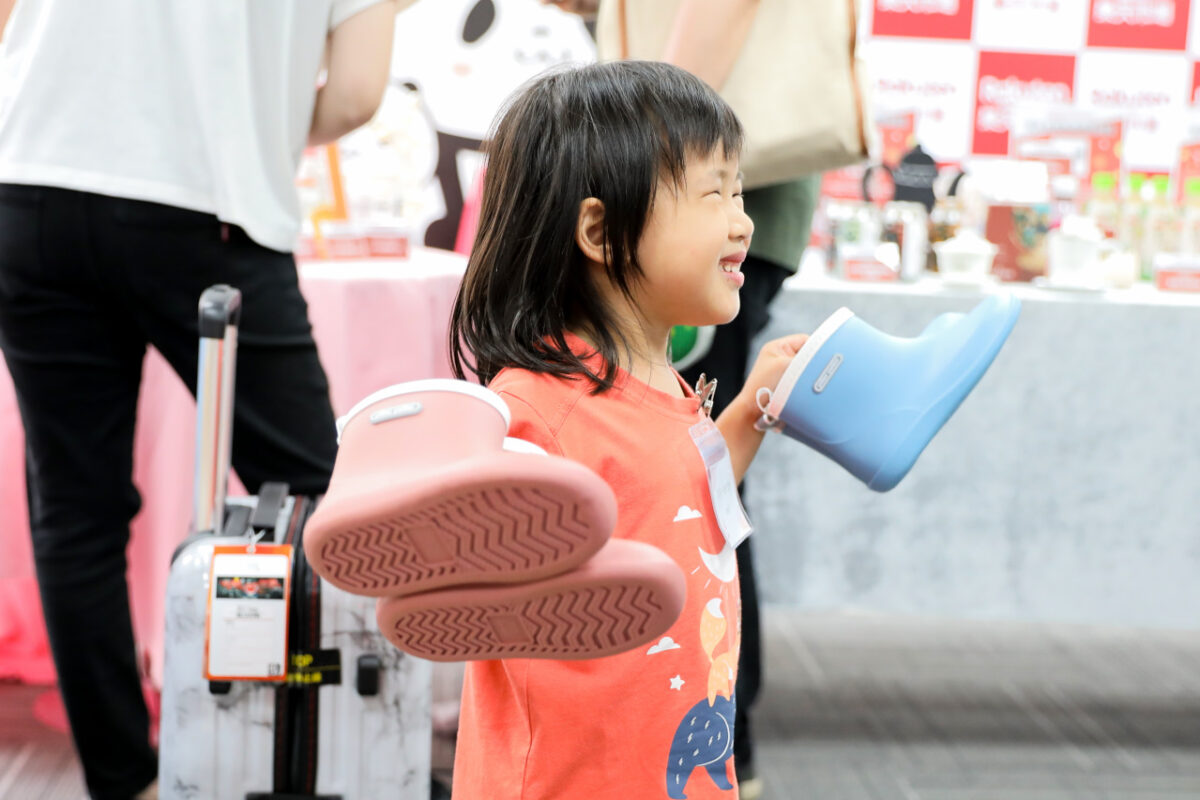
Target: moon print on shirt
column 704, row 737
column 723, row 565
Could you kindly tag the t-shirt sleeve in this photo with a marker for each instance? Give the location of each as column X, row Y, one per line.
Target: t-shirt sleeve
column 342, row 10
column 528, row 424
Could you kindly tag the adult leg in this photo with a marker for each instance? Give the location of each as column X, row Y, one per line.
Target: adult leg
column 283, row 421
column 75, row 361
column 727, row 361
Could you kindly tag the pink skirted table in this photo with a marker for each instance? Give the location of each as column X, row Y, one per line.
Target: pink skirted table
column 376, row 323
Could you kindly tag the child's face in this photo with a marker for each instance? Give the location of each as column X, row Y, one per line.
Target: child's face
column 693, row 245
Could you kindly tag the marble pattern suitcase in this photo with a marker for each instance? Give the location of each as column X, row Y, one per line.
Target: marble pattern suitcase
column 364, row 731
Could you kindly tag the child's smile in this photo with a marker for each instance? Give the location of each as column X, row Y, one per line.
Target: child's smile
column 732, row 267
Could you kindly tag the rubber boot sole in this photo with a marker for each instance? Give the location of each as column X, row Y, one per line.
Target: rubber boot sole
column 500, row 518
column 629, row 594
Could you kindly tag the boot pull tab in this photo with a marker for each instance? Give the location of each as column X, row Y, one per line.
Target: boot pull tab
column 396, row 412
column 766, row 422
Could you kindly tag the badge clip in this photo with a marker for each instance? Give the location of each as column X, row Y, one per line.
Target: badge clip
column 707, row 390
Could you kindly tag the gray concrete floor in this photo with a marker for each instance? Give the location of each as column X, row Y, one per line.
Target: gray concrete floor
column 879, row 708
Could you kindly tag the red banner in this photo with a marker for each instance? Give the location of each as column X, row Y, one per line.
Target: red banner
column 1016, row 79
column 927, row 19
column 1143, row 24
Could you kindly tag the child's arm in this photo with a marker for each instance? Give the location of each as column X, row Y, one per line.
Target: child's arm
column 736, row 422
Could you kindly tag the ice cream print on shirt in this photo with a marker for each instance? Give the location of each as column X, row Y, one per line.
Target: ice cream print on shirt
column 704, row 737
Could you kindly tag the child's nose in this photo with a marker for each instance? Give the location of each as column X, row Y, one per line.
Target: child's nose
column 741, row 227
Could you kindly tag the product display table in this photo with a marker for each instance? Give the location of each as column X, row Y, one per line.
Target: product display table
column 1065, row 488
column 376, row 323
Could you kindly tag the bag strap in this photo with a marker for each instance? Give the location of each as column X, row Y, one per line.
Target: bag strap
column 859, row 107
column 623, row 29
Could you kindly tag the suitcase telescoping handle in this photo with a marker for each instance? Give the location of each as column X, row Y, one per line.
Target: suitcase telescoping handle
column 220, row 312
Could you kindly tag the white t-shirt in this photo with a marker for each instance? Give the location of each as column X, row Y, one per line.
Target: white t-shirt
column 199, row 104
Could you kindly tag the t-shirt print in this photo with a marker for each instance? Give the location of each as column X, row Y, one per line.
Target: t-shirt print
column 704, row 737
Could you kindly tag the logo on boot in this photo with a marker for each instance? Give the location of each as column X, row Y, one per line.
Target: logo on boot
column 827, row 374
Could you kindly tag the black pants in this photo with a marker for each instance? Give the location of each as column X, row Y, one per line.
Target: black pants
column 86, row 283
column 727, row 361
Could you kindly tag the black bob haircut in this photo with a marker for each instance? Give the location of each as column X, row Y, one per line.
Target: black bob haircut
column 610, row 131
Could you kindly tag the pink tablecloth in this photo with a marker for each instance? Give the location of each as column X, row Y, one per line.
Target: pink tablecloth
column 375, row 322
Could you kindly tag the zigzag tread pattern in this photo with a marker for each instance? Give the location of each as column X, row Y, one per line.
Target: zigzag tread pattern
column 572, row 623
column 488, row 531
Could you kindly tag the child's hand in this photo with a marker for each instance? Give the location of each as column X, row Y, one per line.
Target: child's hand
column 772, row 361
column 737, row 420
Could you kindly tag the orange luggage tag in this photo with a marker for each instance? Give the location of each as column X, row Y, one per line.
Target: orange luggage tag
column 246, row 632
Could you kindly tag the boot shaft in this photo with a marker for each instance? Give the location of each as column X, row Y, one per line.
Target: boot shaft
column 442, row 420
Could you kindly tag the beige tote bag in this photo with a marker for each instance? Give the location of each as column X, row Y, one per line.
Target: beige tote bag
column 796, row 85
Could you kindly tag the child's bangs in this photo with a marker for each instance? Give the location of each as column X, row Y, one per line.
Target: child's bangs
column 693, row 124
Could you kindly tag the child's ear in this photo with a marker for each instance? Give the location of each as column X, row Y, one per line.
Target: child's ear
column 589, row 230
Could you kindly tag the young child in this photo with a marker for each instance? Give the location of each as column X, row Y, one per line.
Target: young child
column 612, row 211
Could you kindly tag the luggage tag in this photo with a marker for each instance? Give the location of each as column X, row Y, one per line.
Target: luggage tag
column 246, row 632
column 722, row 488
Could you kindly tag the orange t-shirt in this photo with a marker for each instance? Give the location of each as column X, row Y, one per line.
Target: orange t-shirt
column 653, row 722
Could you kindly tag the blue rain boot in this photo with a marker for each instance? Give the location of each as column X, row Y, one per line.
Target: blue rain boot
column 871, row 401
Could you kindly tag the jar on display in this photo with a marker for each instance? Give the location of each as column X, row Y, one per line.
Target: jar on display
column 855, row 228
column 944, row 223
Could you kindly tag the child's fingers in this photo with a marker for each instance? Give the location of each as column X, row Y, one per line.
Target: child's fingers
column 789, row 345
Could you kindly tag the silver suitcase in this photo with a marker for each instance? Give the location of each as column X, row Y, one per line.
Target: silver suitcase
column 353, row 719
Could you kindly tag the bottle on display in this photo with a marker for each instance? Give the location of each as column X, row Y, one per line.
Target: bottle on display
column 906, row 224
column 1131, row 224
column 1103, row 204
column 1189, row 240
column 944, row 223
column 1163, row 228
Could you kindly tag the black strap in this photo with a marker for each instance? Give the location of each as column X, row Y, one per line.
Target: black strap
column 237, row 520
column 271, row 497
column 297, row 723
column 307, row 730
column 284, row 697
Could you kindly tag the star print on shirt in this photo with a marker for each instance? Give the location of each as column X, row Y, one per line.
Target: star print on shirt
column 677, row 682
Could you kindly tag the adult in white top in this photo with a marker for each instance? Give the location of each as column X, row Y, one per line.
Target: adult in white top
column 205, row 106
column 148, row 150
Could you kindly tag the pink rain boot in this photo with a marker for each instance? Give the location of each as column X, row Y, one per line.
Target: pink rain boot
column 626, row 595
column 424, row 495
